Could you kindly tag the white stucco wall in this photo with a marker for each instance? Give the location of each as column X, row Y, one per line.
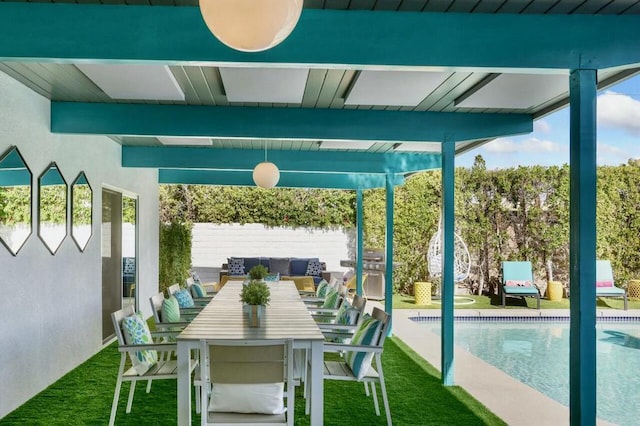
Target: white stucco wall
column 50, row 309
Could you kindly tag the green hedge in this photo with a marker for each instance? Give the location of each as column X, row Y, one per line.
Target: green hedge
column 508, row 214
column 175, row 253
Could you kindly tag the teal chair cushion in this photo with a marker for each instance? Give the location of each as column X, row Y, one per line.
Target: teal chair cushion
column 184, row 299
column 520, row 290
column 366, row 333
column 198, row 290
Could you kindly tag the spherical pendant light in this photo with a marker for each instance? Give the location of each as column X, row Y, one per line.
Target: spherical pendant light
column 251, row 25
column 266, row 175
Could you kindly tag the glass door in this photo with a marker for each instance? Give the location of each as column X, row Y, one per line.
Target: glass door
column 111, row 232
column 129, row 250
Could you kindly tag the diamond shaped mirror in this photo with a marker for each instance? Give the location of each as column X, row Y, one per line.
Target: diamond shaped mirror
column 52, row 208
column 81, row 211
column 15, row 200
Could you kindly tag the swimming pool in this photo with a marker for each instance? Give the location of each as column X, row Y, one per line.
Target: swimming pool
column 537, row 354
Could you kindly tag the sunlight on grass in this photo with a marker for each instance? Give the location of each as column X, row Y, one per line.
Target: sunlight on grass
column 416, row 397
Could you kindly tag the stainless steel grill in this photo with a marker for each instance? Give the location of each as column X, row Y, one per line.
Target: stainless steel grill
column 373, row 264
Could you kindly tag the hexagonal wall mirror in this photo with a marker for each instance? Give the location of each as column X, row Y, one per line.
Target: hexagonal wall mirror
column 15, row 200
column 52, row 208
column 81, row 211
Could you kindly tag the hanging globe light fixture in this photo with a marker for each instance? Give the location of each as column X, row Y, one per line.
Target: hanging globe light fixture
column 251, row 25
column 266, row 174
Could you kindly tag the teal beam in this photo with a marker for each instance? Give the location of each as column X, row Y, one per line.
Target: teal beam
column 388, row 274
column 287, row 179
column 23, row 177
column 308, row 161
column 279, row 123
column 360, row 239
column 448, row 284
column 70, row 32
column 582, row 245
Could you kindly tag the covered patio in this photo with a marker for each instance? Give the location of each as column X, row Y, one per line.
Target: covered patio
column 359, row 96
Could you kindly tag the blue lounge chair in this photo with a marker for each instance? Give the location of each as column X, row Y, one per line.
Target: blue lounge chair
column 604, row 282
column 517, row 280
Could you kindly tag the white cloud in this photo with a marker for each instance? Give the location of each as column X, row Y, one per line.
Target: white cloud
column 542, row 126
column 612, row 155
column 529, row 145
column 619, row 111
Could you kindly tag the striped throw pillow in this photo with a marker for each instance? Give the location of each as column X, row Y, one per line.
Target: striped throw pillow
column 331, row 299
column 322, row 289
column 170, row 311
column 367, row 333
column 198, row 291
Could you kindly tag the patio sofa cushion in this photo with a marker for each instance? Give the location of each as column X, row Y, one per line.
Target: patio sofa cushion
column 367, row 331
column 136, row 332
column 250, row 262
column 298, row 266
column 279, row 265
column 184, row 299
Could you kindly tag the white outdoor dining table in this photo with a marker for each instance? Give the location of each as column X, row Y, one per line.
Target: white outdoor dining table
column 223, row 318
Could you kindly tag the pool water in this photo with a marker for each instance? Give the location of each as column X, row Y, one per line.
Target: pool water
column 537, row 354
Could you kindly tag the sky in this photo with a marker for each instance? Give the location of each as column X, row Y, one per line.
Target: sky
column 618, row 130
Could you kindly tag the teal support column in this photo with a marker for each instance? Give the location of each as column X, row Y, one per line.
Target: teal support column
column 582, row 245
column 359, row 239
column 388, row 275
column 448, row 285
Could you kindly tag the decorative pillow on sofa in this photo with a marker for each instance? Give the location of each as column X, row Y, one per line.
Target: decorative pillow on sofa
column 184, row 299
column 236, row 266
column 604, row 283
column 367, row 331
column 136, row 332
column 272, row 278
column 314, row 268
column 279, row 265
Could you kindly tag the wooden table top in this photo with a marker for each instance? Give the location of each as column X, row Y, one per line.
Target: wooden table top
column 286, row 317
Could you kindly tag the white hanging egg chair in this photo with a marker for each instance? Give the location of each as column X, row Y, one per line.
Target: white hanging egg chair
column 461, row 258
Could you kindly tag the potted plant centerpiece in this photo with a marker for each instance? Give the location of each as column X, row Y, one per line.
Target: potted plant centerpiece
column 258, row 272
column 256, row 295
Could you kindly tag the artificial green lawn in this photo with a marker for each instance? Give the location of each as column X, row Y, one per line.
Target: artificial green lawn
column 416, row 397
column 485, row 302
